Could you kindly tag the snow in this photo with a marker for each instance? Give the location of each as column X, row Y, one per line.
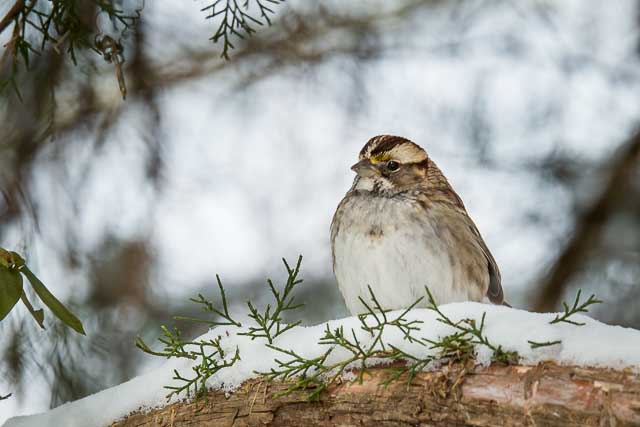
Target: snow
column 595, row 344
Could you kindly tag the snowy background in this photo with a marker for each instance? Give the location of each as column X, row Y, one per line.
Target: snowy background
column 253, row 166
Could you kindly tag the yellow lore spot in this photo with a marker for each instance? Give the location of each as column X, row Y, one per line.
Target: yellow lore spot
column 382, row 157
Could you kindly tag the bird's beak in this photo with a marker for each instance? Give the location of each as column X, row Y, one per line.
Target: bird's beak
column 365, row 168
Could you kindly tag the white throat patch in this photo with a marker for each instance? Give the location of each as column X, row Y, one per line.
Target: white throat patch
column 369, row 184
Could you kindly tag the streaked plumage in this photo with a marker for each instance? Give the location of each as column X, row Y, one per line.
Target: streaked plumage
column 400, row 230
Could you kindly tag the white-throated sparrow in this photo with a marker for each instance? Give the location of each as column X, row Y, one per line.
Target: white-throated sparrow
column 402, row 227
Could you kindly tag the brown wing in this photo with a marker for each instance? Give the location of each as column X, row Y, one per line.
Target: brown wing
column 443, row 191
column 494, row 292
column 445, row 195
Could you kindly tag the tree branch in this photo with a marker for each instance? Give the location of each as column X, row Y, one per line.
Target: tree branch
column 589, row 228
column 12, row 13
column 543, row 395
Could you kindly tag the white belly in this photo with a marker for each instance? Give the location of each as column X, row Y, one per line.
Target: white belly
column 378, row 244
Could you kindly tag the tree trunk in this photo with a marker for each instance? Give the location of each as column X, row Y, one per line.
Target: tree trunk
column 543, row 395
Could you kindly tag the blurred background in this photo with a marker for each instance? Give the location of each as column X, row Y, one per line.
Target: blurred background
column 126, row 208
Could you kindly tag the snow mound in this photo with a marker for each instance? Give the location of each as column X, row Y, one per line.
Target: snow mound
column 593, row 344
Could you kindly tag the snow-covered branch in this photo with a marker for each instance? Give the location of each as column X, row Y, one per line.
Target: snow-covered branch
column 544, row 395
column 463, row 363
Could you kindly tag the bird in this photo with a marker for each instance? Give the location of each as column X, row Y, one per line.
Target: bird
column 401, row 227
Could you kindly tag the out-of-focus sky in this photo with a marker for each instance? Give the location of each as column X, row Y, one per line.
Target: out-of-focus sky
column 487, row 88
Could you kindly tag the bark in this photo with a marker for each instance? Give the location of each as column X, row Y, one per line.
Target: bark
column 543, row 395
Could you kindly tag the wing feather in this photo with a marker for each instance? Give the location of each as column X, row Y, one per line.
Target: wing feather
column 494, row 291
column 446, row 196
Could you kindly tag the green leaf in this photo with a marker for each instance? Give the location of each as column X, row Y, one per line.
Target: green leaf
column 17, row 260
column 37, row 314
column 10, row 290
column 5, row 258
column 52, row 302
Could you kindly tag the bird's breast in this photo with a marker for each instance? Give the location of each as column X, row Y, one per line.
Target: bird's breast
column 396, row 248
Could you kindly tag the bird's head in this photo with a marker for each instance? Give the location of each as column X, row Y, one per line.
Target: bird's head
column 389, row 164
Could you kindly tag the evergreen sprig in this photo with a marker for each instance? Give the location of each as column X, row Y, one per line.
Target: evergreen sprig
column 174, row 346
column 236, row 18
column 535, row 344
column 346, row 354
column 469, row 334
column 411, row 365
column 315, row 374
column 270, row 324
column 60, row 24
column 577, row 307
column 208, row 306
column 208, row 352
column 210, row 364
column 378, row 314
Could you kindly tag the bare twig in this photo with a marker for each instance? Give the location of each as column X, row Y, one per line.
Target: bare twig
column 11, row 14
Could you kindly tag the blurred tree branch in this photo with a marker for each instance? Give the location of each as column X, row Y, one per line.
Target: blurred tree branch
column 39, row 24
column 589, row 227
column 48, row 25
column 11, row 14
column 47, row 111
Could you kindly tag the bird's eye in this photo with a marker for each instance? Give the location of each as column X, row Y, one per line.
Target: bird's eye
column 393, row 165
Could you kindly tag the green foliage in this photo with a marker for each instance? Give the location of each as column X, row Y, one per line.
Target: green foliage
column 577, row 307
column 10, row 290
column 70, row 26
column 345, row 353
column 315, row 375
column 65, row 25
column 212, row 358
column 535, row 344
column 470, row 334
column 379, row 315
column 235, row 18
column 269, row 324
column 208, row 307
column 12, row 268
column 52, row 302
